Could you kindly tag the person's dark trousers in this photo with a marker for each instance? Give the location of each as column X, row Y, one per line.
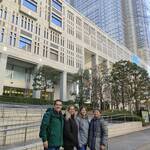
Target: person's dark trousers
column 52, row 148
column 68, row 147
column 82, row 148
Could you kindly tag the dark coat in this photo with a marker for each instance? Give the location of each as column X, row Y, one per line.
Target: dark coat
column 51, row 129
column 98, row 133
column 70, row 133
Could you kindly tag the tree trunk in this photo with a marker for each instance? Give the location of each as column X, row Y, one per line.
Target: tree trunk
column 122, row 95
column 136, row 107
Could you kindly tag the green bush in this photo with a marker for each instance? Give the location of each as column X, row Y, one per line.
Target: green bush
column 22, row 100
column 115, row 112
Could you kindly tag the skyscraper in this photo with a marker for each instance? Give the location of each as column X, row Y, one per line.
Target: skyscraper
column 141, row 15
column 127, row 21
column 105, row 14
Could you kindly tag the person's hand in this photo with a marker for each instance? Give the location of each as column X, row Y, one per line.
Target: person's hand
column 45, row 145
column 102, row 147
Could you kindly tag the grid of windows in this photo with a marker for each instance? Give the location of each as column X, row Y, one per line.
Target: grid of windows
column 15, row 19
column 38, row 29
column 45, row 51
column 106, row 14
column 62, row 55
column 3, row 13
column 27, row 23
column 12, row 39
column 51, row 44
column 36, row 48
column 55, row 37
column 78, row 28
column 79, row 56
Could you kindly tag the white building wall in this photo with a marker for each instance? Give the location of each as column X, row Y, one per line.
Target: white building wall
column 62, row 48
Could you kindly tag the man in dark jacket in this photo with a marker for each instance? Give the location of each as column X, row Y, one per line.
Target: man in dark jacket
column 51, row 130
column 98, row 132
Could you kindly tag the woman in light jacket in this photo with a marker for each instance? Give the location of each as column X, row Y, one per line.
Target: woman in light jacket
column 83, row 127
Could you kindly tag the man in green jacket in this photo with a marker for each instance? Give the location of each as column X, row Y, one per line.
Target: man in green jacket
column 51, row 130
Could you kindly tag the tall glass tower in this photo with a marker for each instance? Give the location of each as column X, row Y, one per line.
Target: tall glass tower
column 142, row 22
column 141, row 11
column 127, row 21
column 107, row 14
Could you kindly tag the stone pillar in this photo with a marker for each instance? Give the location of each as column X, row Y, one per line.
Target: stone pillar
column 95, row 60
column 3, row 64
column 36, row 93
column 63, row 86
column 108, row 64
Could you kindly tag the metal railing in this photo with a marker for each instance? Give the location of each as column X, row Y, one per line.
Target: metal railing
column 11, row 134
column 35, row 146
column 120, row 118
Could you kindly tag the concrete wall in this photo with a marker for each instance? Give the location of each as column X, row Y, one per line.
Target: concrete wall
column 124, row 128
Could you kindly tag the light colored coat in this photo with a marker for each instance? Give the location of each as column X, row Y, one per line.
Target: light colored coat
column 83, row 128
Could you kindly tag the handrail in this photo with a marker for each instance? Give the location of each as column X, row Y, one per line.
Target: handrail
column 24, row 130
column 21, row 124
column 18, row 128
column 26, row 146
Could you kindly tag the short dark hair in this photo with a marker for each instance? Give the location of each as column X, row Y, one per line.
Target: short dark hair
column 82, row 107
column 68, row 108
column 57, row 100
column 97, row 109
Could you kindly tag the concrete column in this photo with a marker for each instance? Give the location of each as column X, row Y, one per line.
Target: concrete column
column 108, row 64
column 3, row 64
column 63, row 86
column 36, row 93
column 95, row 60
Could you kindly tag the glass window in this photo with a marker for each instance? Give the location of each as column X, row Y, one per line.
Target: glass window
column 17, row 20
column 14, row 44
column 56, row 20
column 57, row 5
column 10, row 39
column 2, row 35
column 1, row 13
column 30, row 4
column 13, row 18
column 25, row 43
column 5, row 14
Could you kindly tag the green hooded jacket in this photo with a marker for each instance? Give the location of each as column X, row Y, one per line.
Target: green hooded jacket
column 51, row 128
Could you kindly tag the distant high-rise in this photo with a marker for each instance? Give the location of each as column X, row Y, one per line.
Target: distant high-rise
column 106, row 14
column 127, row 21
column 141, row 15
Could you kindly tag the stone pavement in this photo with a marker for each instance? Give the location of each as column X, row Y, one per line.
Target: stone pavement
column 134, row 141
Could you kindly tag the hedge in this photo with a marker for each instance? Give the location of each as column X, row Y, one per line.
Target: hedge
column 22, row 100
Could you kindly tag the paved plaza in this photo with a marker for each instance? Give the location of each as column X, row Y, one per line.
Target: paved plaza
column 135, row 141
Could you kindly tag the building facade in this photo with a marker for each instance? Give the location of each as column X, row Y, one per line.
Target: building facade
column 127, row 21
column 105, row 14
column 141, row 15
column 34, row 33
